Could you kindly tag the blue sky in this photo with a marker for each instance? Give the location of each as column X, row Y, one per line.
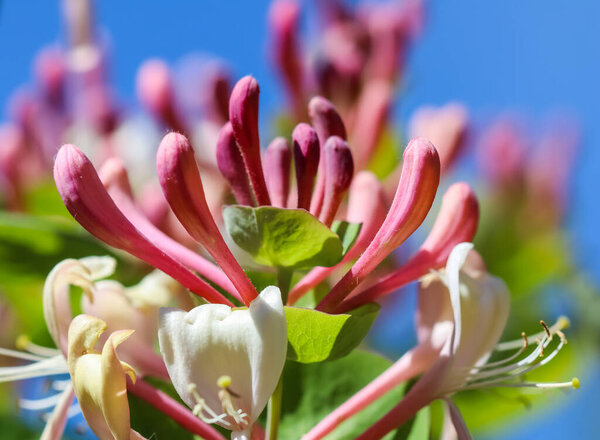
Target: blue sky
column 536, row 57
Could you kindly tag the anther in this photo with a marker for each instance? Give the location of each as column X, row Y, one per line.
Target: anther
column 562, row 336
column 547, row 329
column 575, row 383
column 525, row 340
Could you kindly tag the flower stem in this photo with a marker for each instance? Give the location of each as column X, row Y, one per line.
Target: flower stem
column 274, row 411
column 284, row 278
column 173, row 409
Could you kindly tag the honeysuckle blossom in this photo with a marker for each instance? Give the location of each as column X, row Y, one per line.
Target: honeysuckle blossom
column 99, row 378
column 225, row 363
column 461, row 315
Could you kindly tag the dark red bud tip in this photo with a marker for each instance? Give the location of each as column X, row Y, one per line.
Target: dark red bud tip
column 231, row 164
column 339, row 169
column 325, row 119
column 306, row 161
column 278, row 159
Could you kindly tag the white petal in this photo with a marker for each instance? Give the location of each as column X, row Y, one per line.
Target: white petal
column 213, row 340
column 455, row 262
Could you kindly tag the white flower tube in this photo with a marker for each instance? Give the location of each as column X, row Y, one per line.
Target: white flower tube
column 225, row 363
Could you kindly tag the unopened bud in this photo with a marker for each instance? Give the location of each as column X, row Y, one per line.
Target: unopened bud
column 278, row 159
column 231, row 164
column 306, row 162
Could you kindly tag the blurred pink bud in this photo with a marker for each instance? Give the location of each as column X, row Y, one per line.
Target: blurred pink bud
column 155, row 92
column 502, row 153
column 456, row 223
column 88, row 202
column 180, row 179
column 366, row 205
column 306, row 162
column 216, row 86
column 50, row 72
column 100, row 108
column 446, row 128
column 372, row 115
column 243, row 113
column 12, row 149
column 231, row 164
column 339, row 169
column 283, row 19
column 116, row 181
column 278, row 160
column 413, row 199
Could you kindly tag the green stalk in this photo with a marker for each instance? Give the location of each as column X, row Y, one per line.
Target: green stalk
column 274, row 411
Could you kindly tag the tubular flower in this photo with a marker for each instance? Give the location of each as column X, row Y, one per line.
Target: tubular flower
column 225, row 363
column 461, row 314
column 99, row 378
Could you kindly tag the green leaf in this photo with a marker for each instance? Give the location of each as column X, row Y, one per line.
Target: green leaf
column 289, row 238
column 417, row 428
column 315, row 336
column 348, row 233
column 311, row 391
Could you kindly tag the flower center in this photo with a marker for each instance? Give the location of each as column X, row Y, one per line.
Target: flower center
column 238, row 419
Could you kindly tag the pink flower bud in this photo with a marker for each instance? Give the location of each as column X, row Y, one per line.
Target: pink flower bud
column 278, row 159
column 155, row 92
column 372, row 114
column 217, row 87
column 180, row 179
column 339, row 169
column 456, row 223
column 116, row 181
column 88, row 202
column 413, row 199
column 306, row 162
column 502, row 153
column 51, row 71
column 327, row 123
column 445, row 126
column 243, row 113
column 231, row 165
column 283, row 19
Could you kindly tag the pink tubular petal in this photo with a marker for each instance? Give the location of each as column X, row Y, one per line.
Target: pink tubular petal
column 408, row 366
column 155, row 92
column 456, row 223
column 327, row 122
column 278, row 159
column 366, row 205
column 88, row 202
column 413, row 199
column 55, row 426
column 180, row 179
column 114, row 177
column 462, row 432
column 339, row 169
column 180, row 414
column 306, row 162
column 231, row 164
column 283, row 20
column 243, row 114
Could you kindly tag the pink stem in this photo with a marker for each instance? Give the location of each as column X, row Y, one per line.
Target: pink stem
column 174, row 410
column 412, row 363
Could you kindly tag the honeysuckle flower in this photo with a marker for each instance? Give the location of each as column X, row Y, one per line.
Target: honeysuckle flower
column 225, row 363
column 99, row 378
column 277, row 162
column 307, row 152
column 461, row 314
column 338, row 167
column 231, row 165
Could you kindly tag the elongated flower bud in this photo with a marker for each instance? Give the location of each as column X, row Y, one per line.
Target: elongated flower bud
column 155, row 92
column 88, row 202
column 243, row 114
column 339, row 169
column 114, row 177
column 180, row 179
column 51, row 72
column 456, row 223
column 278, row 159
column 327, row 122
column 215, row 102
column 415, row 194
column 231, row 165
column 306, row 162
column 283, row 20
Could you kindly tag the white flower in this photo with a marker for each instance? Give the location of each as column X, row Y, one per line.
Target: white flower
column 225, row 363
